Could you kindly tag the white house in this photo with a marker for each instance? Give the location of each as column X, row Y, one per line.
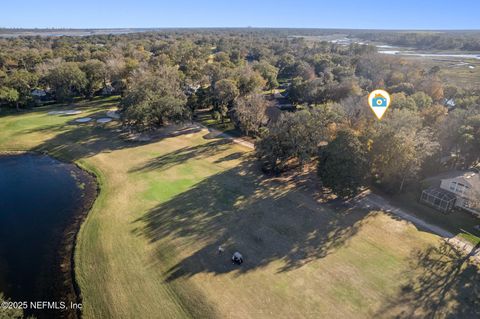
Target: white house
column 466, row 187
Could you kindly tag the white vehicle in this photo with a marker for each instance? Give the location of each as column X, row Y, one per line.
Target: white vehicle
column 237, row 258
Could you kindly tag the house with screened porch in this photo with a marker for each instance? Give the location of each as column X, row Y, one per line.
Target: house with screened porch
column 460, row 190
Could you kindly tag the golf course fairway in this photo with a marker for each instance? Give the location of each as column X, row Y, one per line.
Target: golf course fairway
column 149, row 246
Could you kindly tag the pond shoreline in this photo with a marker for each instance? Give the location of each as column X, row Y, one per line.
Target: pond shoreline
column 64, row 283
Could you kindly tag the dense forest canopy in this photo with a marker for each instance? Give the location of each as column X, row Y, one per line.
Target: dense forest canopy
column 237, row 74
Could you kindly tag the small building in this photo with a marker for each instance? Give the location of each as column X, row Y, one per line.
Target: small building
column 40, row 96
column 108, row 90
column 449, row 103
column 438, row 198
column 190, row 89
column 37, row 93
column 466, row 188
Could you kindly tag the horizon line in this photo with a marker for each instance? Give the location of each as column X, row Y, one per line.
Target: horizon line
column 230, row 27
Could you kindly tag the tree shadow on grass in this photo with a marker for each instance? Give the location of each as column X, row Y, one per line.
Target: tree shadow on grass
column 79, row 104
column 81, row 141
column 230, row 157
column 445, row 283
column 74, row 141
column 241, row 210
column 183, row 154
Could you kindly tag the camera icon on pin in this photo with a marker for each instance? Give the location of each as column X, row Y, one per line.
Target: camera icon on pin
column 379, row 100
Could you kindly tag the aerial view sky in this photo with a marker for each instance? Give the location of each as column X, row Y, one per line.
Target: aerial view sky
column 368, row 14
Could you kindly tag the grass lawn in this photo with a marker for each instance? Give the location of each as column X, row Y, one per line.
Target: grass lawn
column 149, row 247
column 458, row 223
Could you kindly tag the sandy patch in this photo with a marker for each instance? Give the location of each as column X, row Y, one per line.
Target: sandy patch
column 104, row 120
column 83, row 120
column 65, row 112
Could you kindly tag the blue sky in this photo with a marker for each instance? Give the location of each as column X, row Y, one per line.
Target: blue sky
column 369, row 14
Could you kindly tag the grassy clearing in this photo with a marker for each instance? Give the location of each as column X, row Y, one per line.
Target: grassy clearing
column 454, row 71
column 149, row 247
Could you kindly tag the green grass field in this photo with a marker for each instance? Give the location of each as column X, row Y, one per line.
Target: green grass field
column 148, row 249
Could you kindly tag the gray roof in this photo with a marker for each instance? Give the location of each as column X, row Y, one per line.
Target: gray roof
column 440, row 193
column 473, row 179
column 470, row 177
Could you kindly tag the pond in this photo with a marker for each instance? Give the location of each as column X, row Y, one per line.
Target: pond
column 42, row 204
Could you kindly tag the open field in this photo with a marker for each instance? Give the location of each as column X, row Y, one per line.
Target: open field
column 149, row 247
column 454, row 71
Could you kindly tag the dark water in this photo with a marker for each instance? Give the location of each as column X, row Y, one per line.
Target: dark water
column 39, row 199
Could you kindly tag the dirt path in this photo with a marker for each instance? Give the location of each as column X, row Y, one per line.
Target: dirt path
column 219, row 134
column 367, row 199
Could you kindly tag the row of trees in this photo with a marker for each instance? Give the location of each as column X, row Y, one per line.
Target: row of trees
column 161, row 76
column 166, row 76
column 391, row 153
column 422, row 131
column 157, row 97
column 65, row 79
column 221, row 66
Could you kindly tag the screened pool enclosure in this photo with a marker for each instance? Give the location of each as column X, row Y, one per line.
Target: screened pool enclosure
column 438, row 198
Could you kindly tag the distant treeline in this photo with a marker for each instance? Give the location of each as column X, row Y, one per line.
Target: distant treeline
column 453, row 40
column 276, row 32
column 440, row 40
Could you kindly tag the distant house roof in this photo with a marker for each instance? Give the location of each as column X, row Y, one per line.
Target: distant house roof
column 190, row 89
column 473, row 179
column 108, row 90
column 449, row 102
column 38, row 92
column 469, row 178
